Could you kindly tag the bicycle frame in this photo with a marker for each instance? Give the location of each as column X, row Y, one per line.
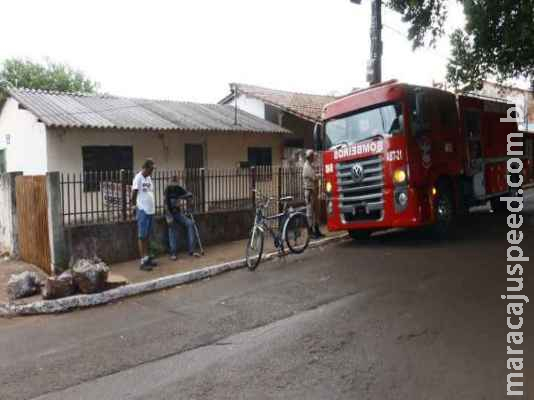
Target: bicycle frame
column 260, row 223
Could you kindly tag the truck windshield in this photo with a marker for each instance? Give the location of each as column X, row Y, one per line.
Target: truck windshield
column 385, row 119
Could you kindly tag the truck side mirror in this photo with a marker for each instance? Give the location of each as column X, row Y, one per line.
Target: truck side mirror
column 318, row 136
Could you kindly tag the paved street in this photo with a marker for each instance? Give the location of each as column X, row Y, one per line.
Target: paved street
column 399, row 317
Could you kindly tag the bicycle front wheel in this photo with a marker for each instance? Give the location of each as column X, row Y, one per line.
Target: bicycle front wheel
column 297, row 233
column 254, row 248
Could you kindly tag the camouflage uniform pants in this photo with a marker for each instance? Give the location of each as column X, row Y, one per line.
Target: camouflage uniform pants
column 311, row 207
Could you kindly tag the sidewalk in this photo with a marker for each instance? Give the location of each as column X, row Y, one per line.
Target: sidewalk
column 214, row 255
column 129, row 271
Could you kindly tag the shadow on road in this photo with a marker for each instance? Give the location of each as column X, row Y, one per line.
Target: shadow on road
column 476, row 227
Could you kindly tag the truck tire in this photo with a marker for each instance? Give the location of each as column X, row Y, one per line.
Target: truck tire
column 360, row 235
column 444, row 212
column 497, row 206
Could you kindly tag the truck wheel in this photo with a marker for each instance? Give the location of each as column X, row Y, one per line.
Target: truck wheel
column 360, row 234
column 444, row 212
column 497, row 206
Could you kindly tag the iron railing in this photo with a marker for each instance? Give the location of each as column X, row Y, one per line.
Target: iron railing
column 105, row 196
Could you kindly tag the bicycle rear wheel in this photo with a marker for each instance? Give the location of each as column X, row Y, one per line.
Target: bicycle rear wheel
column 297, row 233
column 254, row 248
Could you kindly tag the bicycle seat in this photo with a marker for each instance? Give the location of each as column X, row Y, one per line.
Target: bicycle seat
column 286, row 198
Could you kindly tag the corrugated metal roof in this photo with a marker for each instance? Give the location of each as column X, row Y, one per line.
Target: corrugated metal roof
column 75, row 110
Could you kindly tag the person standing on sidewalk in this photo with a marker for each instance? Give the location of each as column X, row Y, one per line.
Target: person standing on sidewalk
column 175, row 217
column 143, row 203
column 311, row 194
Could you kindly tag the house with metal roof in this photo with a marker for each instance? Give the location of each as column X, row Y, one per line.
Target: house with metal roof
column 43, row 131
column 297, row 112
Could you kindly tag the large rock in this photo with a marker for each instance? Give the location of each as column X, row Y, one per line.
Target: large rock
column 23, row 285
column 90, row 275
column 59, row 286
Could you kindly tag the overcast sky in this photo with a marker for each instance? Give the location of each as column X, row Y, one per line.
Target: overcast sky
column 191, row 50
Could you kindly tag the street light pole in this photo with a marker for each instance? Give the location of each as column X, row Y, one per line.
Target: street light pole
column 374, row 66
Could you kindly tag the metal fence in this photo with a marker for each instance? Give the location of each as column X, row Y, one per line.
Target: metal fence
column 105, row 196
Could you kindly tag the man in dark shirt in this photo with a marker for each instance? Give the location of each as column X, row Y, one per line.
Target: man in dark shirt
column 173, row 194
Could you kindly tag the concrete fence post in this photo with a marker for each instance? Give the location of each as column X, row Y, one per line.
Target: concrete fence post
column 9, row 233
column 56, row 232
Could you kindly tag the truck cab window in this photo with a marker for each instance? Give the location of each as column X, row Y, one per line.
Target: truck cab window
column 385, row 119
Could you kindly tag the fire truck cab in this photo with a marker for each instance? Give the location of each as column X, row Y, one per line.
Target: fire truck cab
column 399, row 155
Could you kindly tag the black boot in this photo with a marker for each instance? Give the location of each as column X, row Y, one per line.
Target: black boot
column 318, row 233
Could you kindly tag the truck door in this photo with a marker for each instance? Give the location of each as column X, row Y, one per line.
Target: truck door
column 472, row 126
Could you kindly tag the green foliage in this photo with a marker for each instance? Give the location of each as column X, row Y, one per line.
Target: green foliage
column 426, row 19
column 498, row 39
column 46, row 76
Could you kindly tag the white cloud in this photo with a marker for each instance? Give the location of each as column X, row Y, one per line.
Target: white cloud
column 191, row 50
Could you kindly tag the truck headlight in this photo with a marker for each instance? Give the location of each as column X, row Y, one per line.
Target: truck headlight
column 328, row 187
column 399, row 176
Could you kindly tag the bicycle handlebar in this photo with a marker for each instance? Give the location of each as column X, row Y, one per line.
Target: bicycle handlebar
column 270, row 198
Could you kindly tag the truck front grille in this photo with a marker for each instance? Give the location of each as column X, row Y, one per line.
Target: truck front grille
column 361, row 200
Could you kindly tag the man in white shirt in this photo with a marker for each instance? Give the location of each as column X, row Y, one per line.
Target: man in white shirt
column 143, row 202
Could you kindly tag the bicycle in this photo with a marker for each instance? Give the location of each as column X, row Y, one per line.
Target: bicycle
column 292, row 229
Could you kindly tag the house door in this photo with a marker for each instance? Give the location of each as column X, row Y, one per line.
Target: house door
column 32, row 218
column 194, row 175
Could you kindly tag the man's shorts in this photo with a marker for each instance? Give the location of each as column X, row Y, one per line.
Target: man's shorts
column 144, row 224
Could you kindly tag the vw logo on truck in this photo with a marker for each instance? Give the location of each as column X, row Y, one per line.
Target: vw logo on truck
column 357, row 173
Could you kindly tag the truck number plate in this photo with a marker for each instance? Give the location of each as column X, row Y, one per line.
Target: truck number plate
column 394, row 155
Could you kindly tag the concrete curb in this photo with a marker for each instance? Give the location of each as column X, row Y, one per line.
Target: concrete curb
column 10, row 310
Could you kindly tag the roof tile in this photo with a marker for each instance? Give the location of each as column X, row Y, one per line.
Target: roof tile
column 308, row 106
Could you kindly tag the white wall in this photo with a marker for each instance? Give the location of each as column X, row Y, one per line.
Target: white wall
column 7, row 217
column 249, row 104
column 221, row 150
column 24, row 139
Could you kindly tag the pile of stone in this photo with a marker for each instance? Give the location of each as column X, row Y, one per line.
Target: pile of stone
column 60, row 286
column 86, row 276
column 23, row 285
column 90, row 275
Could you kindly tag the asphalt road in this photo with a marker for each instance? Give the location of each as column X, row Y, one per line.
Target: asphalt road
column 398, row 317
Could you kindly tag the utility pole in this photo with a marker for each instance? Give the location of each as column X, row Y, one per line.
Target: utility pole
column 374, row 66
column 374, row 75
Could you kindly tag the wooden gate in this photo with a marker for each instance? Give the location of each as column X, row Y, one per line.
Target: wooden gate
column 32, row 214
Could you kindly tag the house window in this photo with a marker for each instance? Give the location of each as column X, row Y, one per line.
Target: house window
column 261, row 157
column 3, row 167
column 103, row 163
column 273, row 114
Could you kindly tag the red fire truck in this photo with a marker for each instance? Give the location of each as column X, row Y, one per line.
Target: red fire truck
column 398, row 155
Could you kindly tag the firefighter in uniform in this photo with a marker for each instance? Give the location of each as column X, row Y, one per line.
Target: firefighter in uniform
column 311, row 194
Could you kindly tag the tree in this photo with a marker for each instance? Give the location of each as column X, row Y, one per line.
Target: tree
column 498, row 39
column 47, row 76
